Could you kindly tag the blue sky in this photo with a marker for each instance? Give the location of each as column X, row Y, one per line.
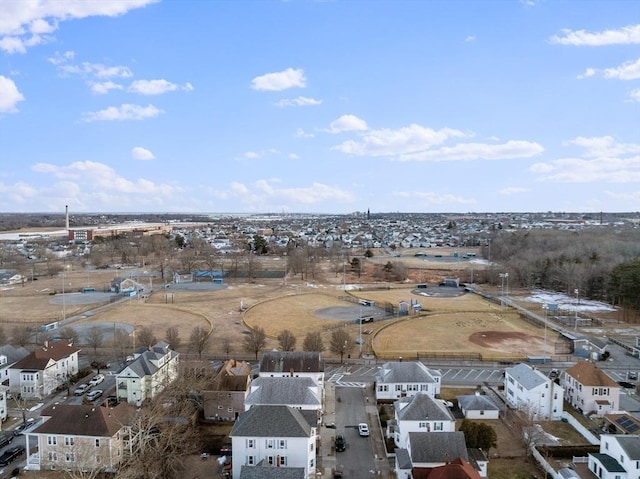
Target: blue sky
column 319, row 106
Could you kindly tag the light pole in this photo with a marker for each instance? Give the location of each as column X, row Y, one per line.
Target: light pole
column 503, row 276
column 577, row 293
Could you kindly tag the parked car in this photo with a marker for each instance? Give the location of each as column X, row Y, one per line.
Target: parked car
column 341, row 443
column 632, row 376
column 96, row 380
column 95, row 394
column 363, row 429
column 81, row 389
column 5, row 439
column 23, row 426
column 11, row 455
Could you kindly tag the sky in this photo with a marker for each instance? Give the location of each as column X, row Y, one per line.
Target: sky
column 329, row 107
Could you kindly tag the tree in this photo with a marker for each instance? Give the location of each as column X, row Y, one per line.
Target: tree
column 368, row 254
column 479, row 435
column 356, row 266
column 199, row 339
column 225, row 343
column 180, row 241
column 20, row 335
column 145, row 337
column 94, row 338
column 287, row 340
column 340, row 343
column 122, row 345
column 313, row 342
column 172, row 337
column 70, row 334
column 525, row 419
column 260, row 245
column 255, row 341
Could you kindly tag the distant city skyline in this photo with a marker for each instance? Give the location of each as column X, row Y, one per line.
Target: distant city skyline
column 319, row 107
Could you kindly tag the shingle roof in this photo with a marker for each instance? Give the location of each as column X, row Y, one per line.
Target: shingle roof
column 403, row 459
column 421, row 407
column 526, row 376
column 286, row 361
column 271, row 472
column 13, row 353
column 429, row 447
column 39, row 359
column 271, row 421
column 631, row 445
column 283, row 390
column 406, row 372
column 456, row 469
column 476, row 402
column 588, row 374
column 84, row 420
column 608, row 462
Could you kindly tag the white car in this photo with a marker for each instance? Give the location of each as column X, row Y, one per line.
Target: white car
column 363, row 429
column 81, row 389
column 95, row 394
column 96, row 380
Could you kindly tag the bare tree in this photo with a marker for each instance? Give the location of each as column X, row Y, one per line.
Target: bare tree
column 341, row 343
column 199, row 338
column 313, row 342
column 525, row 419
column 225, row 343
column 122, row 345
column 145, row 337
column 255, row 341
column 20, row 335
column 94, row 338
column 70, row 334
column 287, row 340
column 172, row 337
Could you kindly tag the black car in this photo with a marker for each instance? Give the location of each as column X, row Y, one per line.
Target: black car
column 341, row 443
column 11, row 455
column 5, row 439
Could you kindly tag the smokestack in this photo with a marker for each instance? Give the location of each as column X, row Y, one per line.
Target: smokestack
column 66, row 217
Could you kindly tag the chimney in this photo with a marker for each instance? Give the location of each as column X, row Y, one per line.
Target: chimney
column 66, row 217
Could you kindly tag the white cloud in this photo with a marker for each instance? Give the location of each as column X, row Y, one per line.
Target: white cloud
column 10, row 96
column 251, row 155
column 299, row 101
column 603, row 160
column 347, row 123
column 431, row 198
column 300, row 133
column 23, row 23
column 102, row 88
column 156, row 87
column 627, row 71
column 477, row 151
column 588, row 73
column 140, row 153
column 279, row 81
column 293, row 156
column 512, row 190
column 387, row 142
column 60, row 58
column 470, row 38
column 123, row 112
column 634, row 95
column 622, row 36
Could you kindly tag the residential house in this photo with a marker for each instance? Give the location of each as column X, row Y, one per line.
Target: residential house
column 622, row 423
column 281, row 436
column 590, row 348
column 590, row 390
column 458, row 469
column 293, row 363
column 297, row 392
column 264, row 471
column 526, row 387
column 405, row 379
column 478, row 406
column 224, row 399
column 80, row 437
column 619, row 457
column 148, row 374
column 4, row 390
column 44, row 370
column 419, row 413
column 9, row 355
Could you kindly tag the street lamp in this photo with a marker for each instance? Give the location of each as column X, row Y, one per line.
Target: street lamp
column 577, row 293
column 503, row 276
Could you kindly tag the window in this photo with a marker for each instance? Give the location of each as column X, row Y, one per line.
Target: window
column 70, row 457
column 52, row 440
column 269, row 443
column 438, row 426
column 53, row 456
column 220, row 406
column 398, row 387
column 68, row 441
column 424, row 387
column 482, row 413
column 97, row 442
column 422, row 424
column 282, row 444
column 251, row 460
column 270, row 460
column 282, row 460
column 251, row 443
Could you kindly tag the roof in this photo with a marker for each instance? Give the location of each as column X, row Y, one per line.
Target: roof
column 588, row 374
column 84, row 420
column 271, row 472
column 422, row 407
column 526, row 376
column 144, row 365
column 271, row 421
column 406, row 372
column 630, row 444
column 608, row 462
column 430, row 447
column 13, row 353
column 403, row 459
column 287, row 361
column 456, row 469
column 625, row 422
column 39, row 359
column 476, row 402
column 283, row 390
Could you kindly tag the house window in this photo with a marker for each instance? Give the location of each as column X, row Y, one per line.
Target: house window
column 70, row 457
column 97, row 442
column 311, row 464
column 282, row 460
column 53, row 456
column 424, row 387
column 251, row 443
column 269, row 443
column 220, row 406
column 482, row 413
column 250, row 460
column 52, row 440
column 398, row 387
column 438, row 426
column 68, row 441
column 282, row 444
column 271, row 460
column 422, row 424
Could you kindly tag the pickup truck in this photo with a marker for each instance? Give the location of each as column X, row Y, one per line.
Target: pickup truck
column 11, row 455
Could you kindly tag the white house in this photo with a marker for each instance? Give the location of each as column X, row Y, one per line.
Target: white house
column 478, row 406
column 80, row 437
column 9, row 355
column 419, row 413
column 3, row 403
column 405, row 379
column 590, row 390
column 281, row 436
column 44, row 370
column 297, row 392
column 526, row 387
column 619, row 457
column 148, row 374
column 293, row 363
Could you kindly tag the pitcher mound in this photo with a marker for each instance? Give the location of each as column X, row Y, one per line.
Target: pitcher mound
column 510, row 342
